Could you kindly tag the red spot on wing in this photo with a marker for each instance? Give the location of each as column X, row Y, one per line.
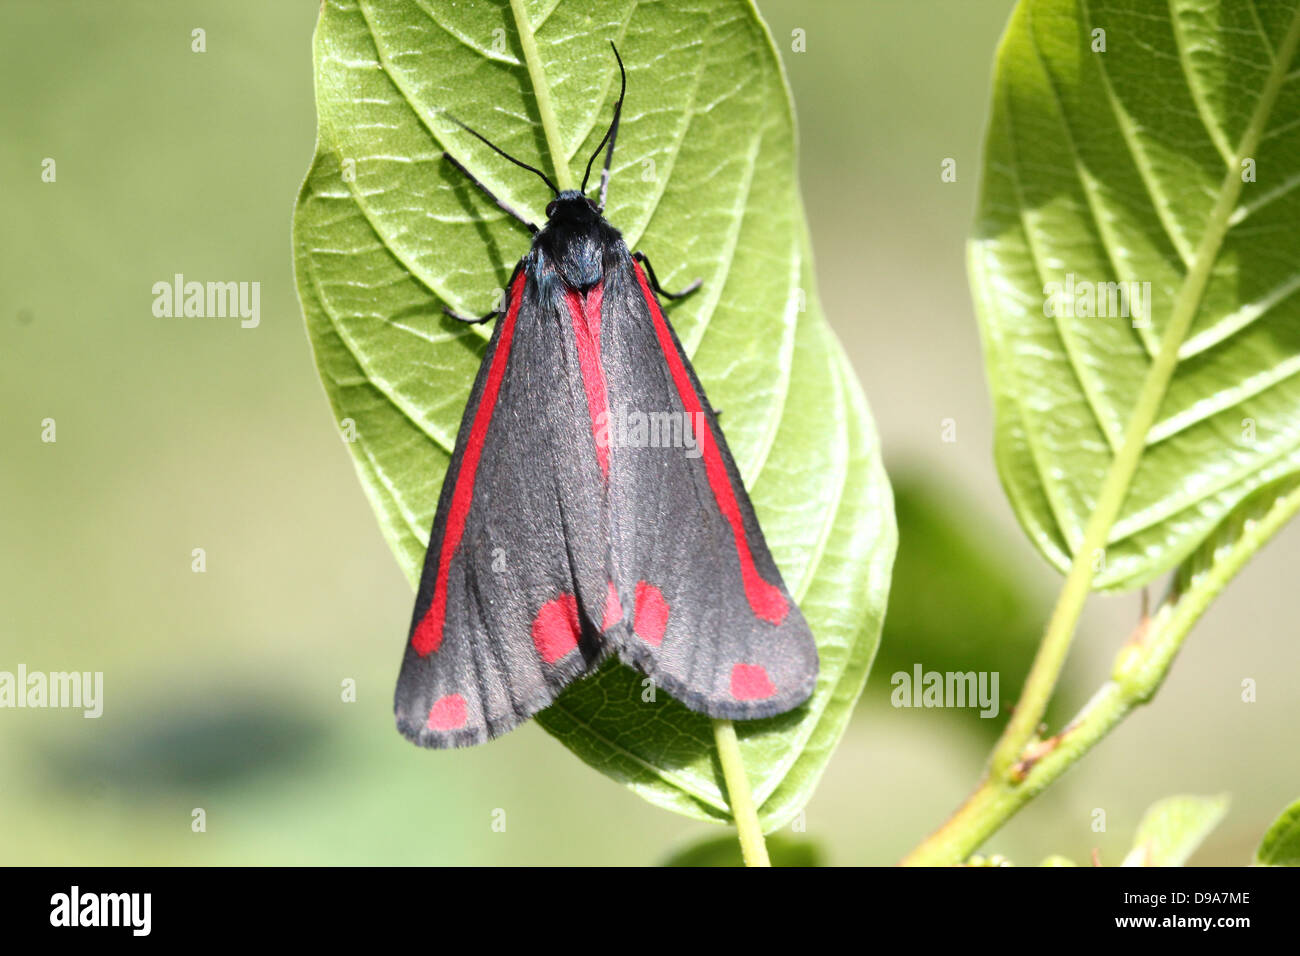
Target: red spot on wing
column 584, row 314
column 651, row 617
column 428, row 633
column 556, row 629
column 448, row 713
column 613, row 609
column 765, row 599
column 750, row 682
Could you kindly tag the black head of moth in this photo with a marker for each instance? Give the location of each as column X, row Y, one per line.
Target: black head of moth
column 591, row 507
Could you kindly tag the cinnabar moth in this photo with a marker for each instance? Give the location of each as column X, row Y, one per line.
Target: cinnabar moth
column 560, row 540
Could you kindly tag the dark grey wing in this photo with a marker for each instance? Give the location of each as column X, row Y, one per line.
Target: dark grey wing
column 706, row 613
column 516, row 577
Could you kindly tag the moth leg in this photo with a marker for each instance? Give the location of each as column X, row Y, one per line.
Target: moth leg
column 469, row 319
column 503, row 206
column 654, row 281
column 494, row 314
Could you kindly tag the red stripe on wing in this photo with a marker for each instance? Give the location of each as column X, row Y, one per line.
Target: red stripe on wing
column 765, row 599
column 584, row 313
column 428, row 634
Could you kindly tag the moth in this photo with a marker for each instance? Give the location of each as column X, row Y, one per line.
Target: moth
column 591, row 507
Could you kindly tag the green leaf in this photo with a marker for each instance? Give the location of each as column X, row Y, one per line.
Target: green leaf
column 1058, row 860
column 1281, row 844
column 1242, row 530
column 725, row 851
column 1202, row 576
column 386, row 234
column 1127, row 166
column 1173, row 828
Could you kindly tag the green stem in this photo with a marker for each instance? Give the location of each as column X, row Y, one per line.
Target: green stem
column 542, row 90
column 1052, row 652
column 1007, row 787
column 1139, row 670
column 1056, row 642
column 752, row 847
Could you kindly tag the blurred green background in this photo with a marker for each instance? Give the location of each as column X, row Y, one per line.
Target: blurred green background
column 223, row 688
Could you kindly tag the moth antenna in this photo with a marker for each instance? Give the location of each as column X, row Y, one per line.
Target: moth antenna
column 497, row 149
column 611, row 134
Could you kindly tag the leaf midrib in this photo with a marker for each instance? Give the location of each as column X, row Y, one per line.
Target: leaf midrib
column 542, row 91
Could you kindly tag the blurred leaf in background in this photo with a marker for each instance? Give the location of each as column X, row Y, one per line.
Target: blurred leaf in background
column 1281, row 844
column 180, row 747
column 1173, row 828
column 958, row 603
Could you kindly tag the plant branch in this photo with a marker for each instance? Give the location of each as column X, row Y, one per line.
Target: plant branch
column 1052, row 652
column 1018, row 751
column 752, row 846
column 1140, row 668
